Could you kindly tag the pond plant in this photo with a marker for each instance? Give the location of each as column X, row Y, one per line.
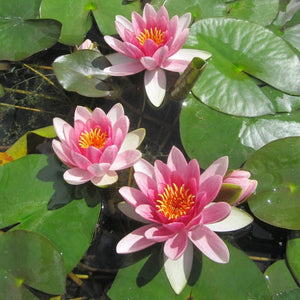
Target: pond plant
column 180, row 176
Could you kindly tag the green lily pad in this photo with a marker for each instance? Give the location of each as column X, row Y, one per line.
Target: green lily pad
column 240, row 48
column 106, row 12
column 239, row 279
column 276, row 167
column 21, row 34
column 82, row 72
column 293, row 254
column 37, row 180
column 1, row 91
column 292, row 35
column 288, row 14
column 199, row 9
column 279, row 278
column 203, row 129
column 29, row 259
column 257, row 11
column 289, row 295
column 76, row 21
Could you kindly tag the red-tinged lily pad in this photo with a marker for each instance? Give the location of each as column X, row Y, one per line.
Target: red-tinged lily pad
column 27, row 187
column 276, row 167
column 19, row 148
column 27, row 260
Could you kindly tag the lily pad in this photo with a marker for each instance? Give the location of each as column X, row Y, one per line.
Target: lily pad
column 293, row 254
column 239, row 279
column 242, row 50
column 292, row 35
column 21, row 33
column 207, row 134
column 70, row 228
column 75, row 16
column 19, row 148
column 199, row 9
column 29, row 259
column 1, row 91
column 280, row 278
column 257, row 11
column 82, row 72
column 276, row 167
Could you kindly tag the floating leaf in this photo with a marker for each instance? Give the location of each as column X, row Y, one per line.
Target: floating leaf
column 82, row 72
column 240, row 48
column 207, row 134
column 239, row 279
column 1, row 91
column 200, row 9
column 293, row 254
column 276, row 167
column 19, row 148
column 70, row 228
column 29, row 259
column 280, row 278
column 292, row 35
column 21, row 34
column 258, row 11
column 76, row 21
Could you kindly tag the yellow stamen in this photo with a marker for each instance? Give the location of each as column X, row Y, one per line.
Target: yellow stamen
column 155, row 35
column 94, row 138
column 175, row 202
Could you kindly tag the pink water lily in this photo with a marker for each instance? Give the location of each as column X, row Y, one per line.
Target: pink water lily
column 241, row 178
column 97, row 146
column 151, row 42
column 175, row 202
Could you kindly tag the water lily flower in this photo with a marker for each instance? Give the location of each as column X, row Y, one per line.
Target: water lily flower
column 97, row 146
column 241, row 178
column 88, row 45
column 151, row 42
column 176, row 203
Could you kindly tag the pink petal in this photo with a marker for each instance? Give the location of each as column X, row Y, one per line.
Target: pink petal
column 110, row 177
column 143, row 166
column 115, row 113
column 82, row 113
column 148, row 62
column 192, row 171
column 148, row 212
column 98, row 170
column 93, row 154
column 133, row 196
column 116, row 44
column 134, row 241
column 210, row 244
column 161, row 55
column 219, row 167
column 162, row 173
column 189, row 54
column 120, row 130
column 125, row 69
column 129, row 211
column 59, row 125
column 174, row 65
column 215, row 212
column 175, row 246
column 62, row 152
column 80, row 160
column 149, row 15
column 176, row 160
column 109, row 154
column 158, row 234
column 162, row 18
column 146, row 184
column 210, row 188
column 155, row 85
column 121, row 24
column 126, row 159
column 178, row 42
column 149, row 47
column 184, row 21
column 77, row 176
column 99, row 116
column 138, row 23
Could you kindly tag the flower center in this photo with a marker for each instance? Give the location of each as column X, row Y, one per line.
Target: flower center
column 175, row 202
column 94, row 138
column 153, row 33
